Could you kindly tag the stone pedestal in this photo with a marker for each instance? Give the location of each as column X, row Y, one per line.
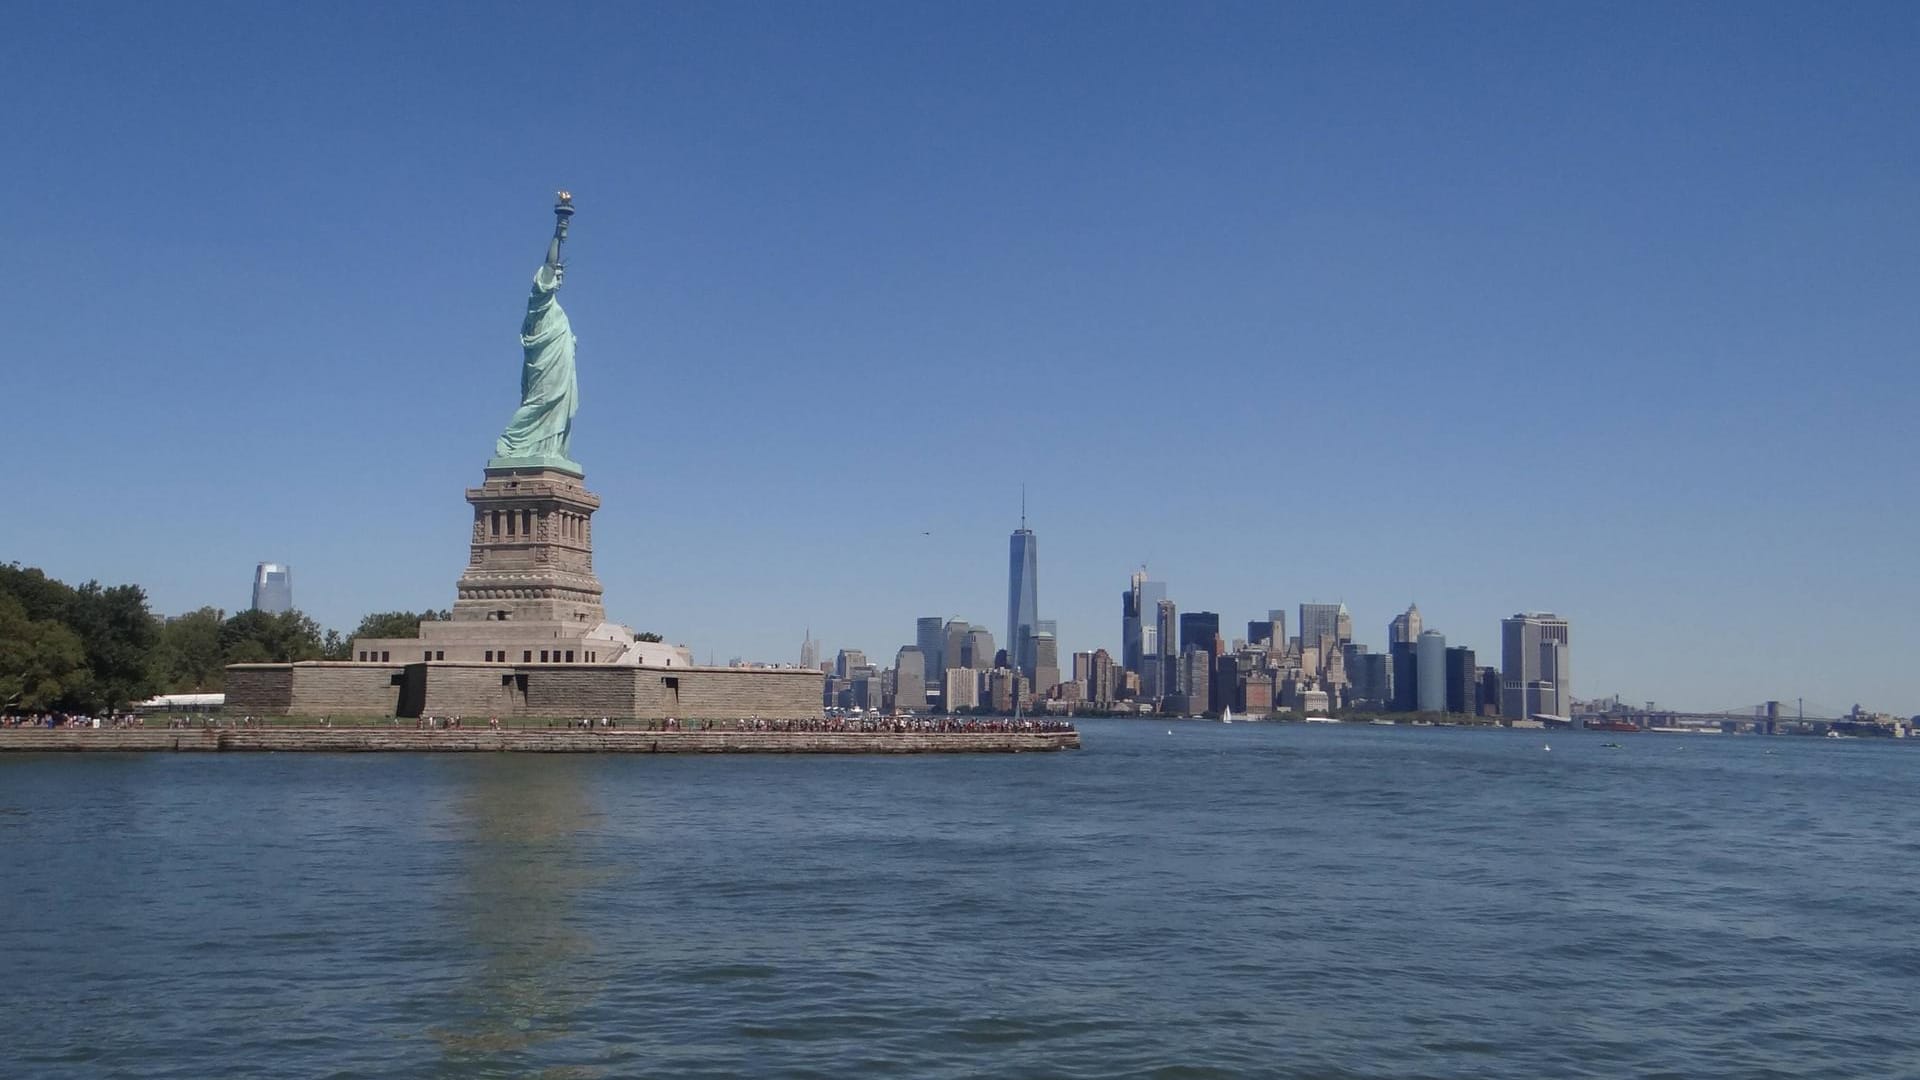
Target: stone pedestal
column 531, row 558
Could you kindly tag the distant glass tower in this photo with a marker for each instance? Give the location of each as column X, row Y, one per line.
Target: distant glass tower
column 929, row 634
column 272, row 588
column 1463, row 686
column 1200, row 630
column 1131, row 625
column 1023, row 603
column 1139, row 609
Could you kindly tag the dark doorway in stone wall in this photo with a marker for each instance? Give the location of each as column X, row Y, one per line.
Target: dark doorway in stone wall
column 412, row 698
column 670, row 694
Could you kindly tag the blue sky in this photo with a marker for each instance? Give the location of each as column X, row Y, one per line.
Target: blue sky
column 1607, row 310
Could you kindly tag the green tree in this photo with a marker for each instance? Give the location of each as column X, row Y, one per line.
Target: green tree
column 396, row 624
column 255, row 637
column 40, row 595
column 112, row 623
column 43, row 665
column 648, row 635
column 335, row 647
column 189, row 656
column 119, row 634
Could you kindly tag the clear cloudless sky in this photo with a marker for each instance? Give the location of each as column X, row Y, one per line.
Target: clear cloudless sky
column 1611, row 310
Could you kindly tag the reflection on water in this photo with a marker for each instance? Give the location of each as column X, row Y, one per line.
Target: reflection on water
column 522, row 829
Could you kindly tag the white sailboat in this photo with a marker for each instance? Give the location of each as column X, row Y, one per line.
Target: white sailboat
column 1227, row 716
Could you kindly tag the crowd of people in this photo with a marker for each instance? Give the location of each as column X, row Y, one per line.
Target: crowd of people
column 71, row 720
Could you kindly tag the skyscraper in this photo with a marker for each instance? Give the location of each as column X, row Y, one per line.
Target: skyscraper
column 1489, row 697
column 1405, row 627
column 909, row 679
column 979, row 649
column 273, row 588
column 1372, row 677
column 1200, row 630
column 1321, row 620
column 1046, row 662
column 1151, row 593
column 1535, row 669
column 1404, row 670
column 1101, row 680
column 962, row 692
column 1463, row 686
column 810, row 652
column 1132, row 623
column 1431, row 671
column 1169, row 652
column 1196, row 680
column 930, row 636
column 1277, row 634
column 848, row 659
column 1023, row 602
column 1139, row 608
column 953, row 650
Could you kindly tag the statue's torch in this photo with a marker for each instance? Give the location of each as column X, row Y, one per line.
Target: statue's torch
column 562, row 213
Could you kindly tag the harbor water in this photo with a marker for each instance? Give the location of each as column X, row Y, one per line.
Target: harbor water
column 1176, row 900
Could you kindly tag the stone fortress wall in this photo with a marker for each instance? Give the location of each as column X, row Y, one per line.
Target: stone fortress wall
column 510, row 691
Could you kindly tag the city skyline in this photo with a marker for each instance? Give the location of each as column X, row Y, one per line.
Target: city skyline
column 1226, row 283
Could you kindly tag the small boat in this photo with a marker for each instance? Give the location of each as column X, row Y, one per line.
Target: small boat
column 1321, row 720
column 1227, row 716
column 1609, row 746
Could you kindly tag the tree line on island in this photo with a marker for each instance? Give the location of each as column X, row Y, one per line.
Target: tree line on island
column 92, row 648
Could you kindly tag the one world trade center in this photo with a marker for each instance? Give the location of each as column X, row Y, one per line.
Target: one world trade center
column 1022, row 597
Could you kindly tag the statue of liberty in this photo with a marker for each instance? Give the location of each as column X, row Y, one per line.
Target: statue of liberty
column 541, row 430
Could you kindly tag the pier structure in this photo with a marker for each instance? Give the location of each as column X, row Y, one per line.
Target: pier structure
column 560, row 740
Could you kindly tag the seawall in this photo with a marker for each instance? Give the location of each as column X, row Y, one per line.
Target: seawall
column 535, row 741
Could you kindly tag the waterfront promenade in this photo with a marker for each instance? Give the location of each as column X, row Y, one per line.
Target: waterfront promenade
column 562, row 740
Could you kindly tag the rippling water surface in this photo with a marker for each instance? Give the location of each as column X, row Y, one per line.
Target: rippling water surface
column 1253, row 900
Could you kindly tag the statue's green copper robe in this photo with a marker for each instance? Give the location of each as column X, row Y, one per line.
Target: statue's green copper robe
column 542, row 427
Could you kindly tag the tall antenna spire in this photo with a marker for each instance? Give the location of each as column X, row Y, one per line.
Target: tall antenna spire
column 1023, row 505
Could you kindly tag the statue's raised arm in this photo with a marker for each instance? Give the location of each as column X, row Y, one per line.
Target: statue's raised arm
column 541, row 431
